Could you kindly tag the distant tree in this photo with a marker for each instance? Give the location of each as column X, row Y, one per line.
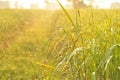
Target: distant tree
column 34, row 6
column 50, row 4
column 115, row 5
column 91, row 3
column 16, row 5
column 78, row 3
column 4, row 4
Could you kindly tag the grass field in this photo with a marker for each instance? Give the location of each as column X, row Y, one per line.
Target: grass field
column 79, row 44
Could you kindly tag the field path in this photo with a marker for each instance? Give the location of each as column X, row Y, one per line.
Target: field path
column 39, row 28
column 30, row 40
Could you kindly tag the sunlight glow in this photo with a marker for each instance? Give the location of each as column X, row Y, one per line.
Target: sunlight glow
column 41, row 3
column 104, row 3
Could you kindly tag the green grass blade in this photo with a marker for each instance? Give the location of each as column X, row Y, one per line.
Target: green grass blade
column 66, row 13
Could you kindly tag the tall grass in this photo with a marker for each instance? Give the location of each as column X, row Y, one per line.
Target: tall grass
column 11, row 23
column 87, row 46
column 84, row 45
column 22, row 35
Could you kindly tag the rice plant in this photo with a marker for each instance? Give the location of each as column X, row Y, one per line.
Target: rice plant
column 87, row 46
column 77, row 44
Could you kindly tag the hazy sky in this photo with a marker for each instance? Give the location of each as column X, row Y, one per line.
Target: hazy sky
column 104, row 3
column 27, row 3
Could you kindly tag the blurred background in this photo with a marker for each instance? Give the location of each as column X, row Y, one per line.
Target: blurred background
column 52, row 4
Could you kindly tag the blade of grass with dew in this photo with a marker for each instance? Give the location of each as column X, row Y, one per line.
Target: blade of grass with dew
column 93, row 76
column 72, row 54
column 107, row 57
column 107, row 62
